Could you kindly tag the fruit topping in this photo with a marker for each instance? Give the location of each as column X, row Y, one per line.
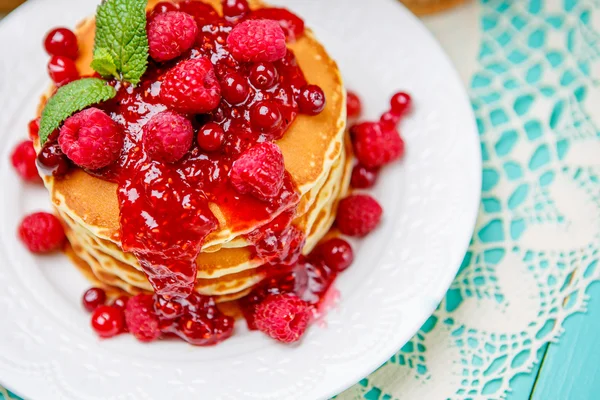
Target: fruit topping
column 257, row 40
column 358, row 215
column 41, row 232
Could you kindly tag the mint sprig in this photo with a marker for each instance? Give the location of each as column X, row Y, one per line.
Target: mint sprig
column 121, row 44
column 71, row 98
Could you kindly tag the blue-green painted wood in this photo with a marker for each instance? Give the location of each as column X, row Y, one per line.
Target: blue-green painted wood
column 522, row 385
column 571, row 368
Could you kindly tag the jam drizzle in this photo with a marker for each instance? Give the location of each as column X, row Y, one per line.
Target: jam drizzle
column 165, row 214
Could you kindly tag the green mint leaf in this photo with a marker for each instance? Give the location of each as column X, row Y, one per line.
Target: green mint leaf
column 104, row 64
column 71, row 98
column 121, row 33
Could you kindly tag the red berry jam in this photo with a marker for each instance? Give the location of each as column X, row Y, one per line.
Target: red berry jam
column 34, row 128
column 93, row 298
column 166, row 232
column 108, row 321
column 62, row 70
column 61, row 42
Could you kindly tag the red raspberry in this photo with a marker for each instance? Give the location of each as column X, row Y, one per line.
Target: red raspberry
column 107, row 321
column 23, row 160
column 170, row 34
column 91, row 139
column 375, row 146
column 257, row 40
column 141, row 319
column 292, row 25
column 358, row 215
column 259, row 171
column 191, row 87
column 353, row 105
column 168, row 136
column 284, row 317
column 41, row 232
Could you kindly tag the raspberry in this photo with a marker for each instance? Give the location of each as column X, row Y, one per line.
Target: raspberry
column 191, row 87
column 257, row 40
column 293, row 27
column 107, row 321
column 170, row 34
column 41, row 232
column 284, row 317
column 358, row 215
column 168, row 136
column 375, row 146
column 141, row 320
column 91, row 139
column 23, row 160
column 259, row 171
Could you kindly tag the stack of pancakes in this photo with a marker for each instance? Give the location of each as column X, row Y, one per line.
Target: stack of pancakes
column 316, row 154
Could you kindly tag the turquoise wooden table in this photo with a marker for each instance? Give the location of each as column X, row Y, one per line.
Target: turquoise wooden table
column 567, row 367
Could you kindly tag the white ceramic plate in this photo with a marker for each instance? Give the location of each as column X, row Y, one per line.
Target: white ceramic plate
column 401, row 272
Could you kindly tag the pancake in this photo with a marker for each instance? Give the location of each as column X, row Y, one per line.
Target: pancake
column 317, row 157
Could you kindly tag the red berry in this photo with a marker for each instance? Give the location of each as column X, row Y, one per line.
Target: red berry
column 363, row 177
column 62, row 70
column 168, row 136
column 41, row 232
column 191, row 87
column 311, row 100
column 61, row 42
column 34, row 128
column 263, row 75
column 257, row 40
column 389, row 120
column 234, row 88
column 170, row 34
column 235, row 9
column 52, row 160
column 93, row 298
column 107, row 321
column 91, row 139
column 358, row 215
column 400, row 103
column 375, row 146
column 205, row 330
column 259, row 171
column 164, row 7
column 353, row 105
column 265, row 116
column 284, row 317
column 292, row 26
column 121, row 302
column 210, row 137
column 141, row 319
column 203, row 13
column 23, row 160
column 336, row 253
